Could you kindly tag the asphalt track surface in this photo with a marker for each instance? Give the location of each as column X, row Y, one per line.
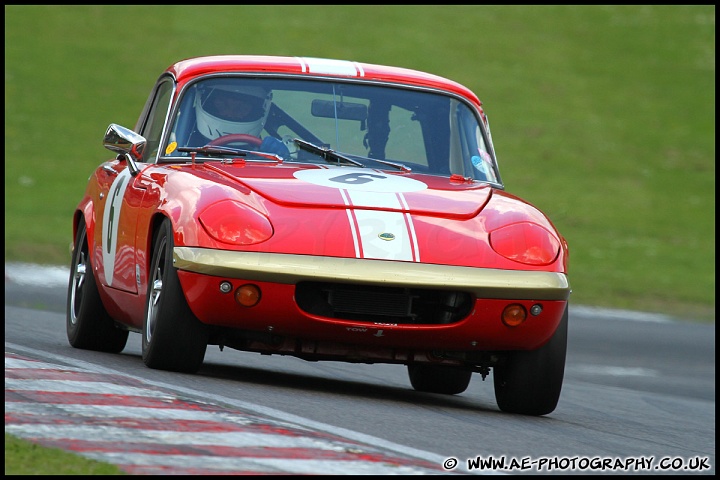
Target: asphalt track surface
column 639, row 391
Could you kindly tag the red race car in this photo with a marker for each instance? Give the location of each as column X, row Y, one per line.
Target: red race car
column 325, row 209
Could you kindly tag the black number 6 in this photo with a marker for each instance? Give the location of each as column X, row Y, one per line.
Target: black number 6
column 111, row 214
column 356, row 178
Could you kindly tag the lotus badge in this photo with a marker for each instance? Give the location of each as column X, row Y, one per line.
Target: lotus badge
column 387, row 236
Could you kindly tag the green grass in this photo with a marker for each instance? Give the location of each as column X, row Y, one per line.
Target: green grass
column 26, row 458
column 602, row 116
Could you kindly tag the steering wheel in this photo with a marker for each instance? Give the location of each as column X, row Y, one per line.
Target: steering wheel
column 235, row 137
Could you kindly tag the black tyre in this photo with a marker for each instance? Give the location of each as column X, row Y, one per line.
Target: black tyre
column 438, row 379
column 87, row 322
column 172, row 338
column 529, row 382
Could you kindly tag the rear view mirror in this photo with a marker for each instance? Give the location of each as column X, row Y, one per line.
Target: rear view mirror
column 343, row 110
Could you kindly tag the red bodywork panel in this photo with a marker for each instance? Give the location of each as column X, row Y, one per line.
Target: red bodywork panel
column 275, row 207
column 481, row 330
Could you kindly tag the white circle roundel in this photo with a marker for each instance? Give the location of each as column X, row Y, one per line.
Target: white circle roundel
column 361, row 179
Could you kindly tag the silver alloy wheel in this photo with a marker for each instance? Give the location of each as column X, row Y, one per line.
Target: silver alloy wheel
column 154, row 296
column 78, row 281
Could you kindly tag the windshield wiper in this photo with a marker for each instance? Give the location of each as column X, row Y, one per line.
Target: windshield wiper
column 210, row 150
column 327, row 154
column 399, row 166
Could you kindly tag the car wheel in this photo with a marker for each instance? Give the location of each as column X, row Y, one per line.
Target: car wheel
column 529, row 382
column 437, row 379
column 172, row 337
column 87, row 323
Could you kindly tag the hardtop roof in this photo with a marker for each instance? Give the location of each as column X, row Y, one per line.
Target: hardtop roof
column 191, row 68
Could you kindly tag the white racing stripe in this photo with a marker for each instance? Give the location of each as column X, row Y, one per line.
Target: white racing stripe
column 369, row 224
column 331, row 67
column 372, row 224
column 377, row 210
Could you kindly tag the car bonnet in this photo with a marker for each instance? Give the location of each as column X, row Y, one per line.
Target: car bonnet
column 364, row 188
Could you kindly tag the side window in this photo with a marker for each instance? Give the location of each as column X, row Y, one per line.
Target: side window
column 472, row 148
column 153, row 127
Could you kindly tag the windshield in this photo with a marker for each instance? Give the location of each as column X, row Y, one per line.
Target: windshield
column 377, row 126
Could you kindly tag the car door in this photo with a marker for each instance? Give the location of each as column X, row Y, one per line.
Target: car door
column 121, row 247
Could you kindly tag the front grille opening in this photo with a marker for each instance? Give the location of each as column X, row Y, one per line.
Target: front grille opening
column 380, row 304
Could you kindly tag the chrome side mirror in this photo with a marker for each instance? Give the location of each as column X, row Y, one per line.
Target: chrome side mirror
column 129, row 145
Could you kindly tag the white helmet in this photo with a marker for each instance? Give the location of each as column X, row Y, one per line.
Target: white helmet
column 225, row 109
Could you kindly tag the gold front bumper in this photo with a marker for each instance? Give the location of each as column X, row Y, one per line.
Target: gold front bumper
column 291, row 269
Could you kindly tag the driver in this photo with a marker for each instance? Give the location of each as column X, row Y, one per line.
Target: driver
column 226, row 109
